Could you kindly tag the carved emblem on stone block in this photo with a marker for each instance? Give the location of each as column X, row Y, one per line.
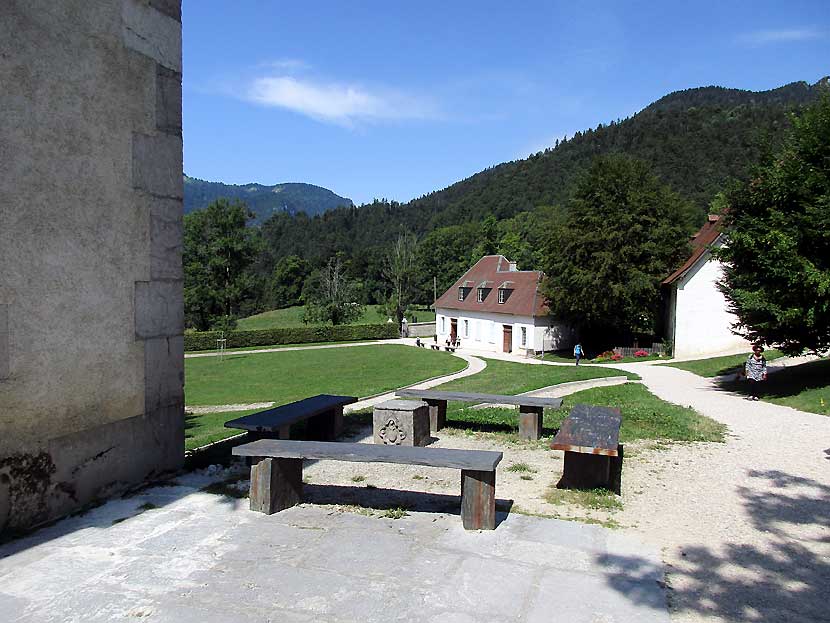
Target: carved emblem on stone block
column 392, row 432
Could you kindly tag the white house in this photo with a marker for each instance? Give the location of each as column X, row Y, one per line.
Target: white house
column 698, row 318
column 495, row 307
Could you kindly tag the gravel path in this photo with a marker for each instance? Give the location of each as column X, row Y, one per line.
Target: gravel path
column 744, row 525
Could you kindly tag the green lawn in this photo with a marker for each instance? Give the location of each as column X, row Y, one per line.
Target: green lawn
column 507, row 377
column 285, row 377
column 718, row 366
column 303, row 345
column 291, row 375
column 292, row 317
column 805, row 387
column 644, row 415
column 562, row 356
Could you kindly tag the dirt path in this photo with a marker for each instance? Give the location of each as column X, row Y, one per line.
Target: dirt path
column 744, row 525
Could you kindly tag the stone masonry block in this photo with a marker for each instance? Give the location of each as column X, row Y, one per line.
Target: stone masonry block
column 168, row 100
column 163, row 372
column 157, row 164
column 166, row 232
column 147, row 28
column 401, row 423
column 159, row 309
column 5, row 343
column 171, row 8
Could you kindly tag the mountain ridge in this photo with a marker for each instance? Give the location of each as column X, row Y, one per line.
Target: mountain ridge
column 262, row 199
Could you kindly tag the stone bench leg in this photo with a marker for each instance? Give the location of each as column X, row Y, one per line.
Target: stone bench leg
column 276, row 484
column 585, row 471
column 437, row 414
column 530, row 422
column 326, row 426
column 478, row 500
column 615, row 476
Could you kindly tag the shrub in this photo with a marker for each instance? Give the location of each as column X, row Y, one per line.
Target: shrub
column 616, row 357
column 641, row 353
column 206, row 340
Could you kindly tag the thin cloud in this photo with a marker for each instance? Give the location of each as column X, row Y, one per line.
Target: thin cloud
column 764, row 37
column 287, row 64
column 331, row 102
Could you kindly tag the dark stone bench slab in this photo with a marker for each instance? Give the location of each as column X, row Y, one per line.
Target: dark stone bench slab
column 324, row 414
column 590, row 438
column 530, row 407
column 276, row 478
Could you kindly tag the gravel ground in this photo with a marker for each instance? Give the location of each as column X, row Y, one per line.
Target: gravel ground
column 744, row 526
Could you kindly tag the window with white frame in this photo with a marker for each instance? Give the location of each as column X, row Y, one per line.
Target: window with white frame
column 492, row 332
column 443, row 325
column 524, row 336
column 481, row 295
column 502, row 297
column 460, row 294
column 466, row 328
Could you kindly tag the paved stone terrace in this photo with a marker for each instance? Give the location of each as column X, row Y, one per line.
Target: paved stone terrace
column 180, row 554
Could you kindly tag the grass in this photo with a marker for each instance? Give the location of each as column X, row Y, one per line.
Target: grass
column 292, row 317
column 507, row 377
column 805, row 387
column 288, row 376
column 358, row 478
column 521, row 468
column 718, row 366
column 645, row 416
column 591, row 499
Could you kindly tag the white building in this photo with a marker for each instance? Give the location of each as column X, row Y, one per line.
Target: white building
column 698, row 317
column 495, row 307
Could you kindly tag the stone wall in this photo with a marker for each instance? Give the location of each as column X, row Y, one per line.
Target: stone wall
column 91, row 310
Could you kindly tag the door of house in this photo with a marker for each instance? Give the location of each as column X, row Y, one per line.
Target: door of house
column 453, row 330
column 508, row 338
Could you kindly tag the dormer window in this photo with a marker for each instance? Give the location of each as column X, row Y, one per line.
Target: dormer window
column 505, row 288
column 460, row 294
column 484, row 289
column 480, row 295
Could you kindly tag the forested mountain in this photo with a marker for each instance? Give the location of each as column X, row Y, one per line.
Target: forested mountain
column 695, row 141
column 264, row 201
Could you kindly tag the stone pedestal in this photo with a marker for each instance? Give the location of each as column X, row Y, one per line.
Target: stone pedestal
column 401, row 423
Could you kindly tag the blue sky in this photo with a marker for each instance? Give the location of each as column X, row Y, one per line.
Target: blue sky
column 392, row 99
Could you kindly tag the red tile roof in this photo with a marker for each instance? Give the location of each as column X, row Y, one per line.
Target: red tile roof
column 494, row 271
column 701, row 241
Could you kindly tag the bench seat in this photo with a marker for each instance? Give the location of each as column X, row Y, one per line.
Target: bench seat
column 276, row 478
column 590, row 438
column 530, row 407
column 324, row 413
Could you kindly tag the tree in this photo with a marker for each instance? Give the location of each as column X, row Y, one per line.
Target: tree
column 777, row 252
column 287, row 281
column 218, row 249
column 623, row 233
column 400, row 271
column 330, row 296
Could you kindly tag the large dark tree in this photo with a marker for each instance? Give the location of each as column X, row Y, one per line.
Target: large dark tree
column 623, row 233
column 218, row 249
column 777, row 252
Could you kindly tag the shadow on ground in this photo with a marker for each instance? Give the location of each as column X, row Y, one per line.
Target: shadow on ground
column 783, row 579
column 786, row 382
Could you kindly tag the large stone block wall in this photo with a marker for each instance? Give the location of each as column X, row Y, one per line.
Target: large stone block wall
column 91, row 309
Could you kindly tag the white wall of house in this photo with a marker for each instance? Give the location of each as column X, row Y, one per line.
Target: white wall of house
column 485, row 330
column 698, row 315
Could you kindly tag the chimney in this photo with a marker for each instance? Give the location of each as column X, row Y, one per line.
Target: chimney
column 512, row 267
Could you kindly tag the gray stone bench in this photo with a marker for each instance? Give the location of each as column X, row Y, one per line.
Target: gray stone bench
column 530, row 408
column 590, row 437
column 277, row 473
column 323, row 415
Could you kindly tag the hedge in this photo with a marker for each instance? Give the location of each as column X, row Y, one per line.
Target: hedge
column 206, row 340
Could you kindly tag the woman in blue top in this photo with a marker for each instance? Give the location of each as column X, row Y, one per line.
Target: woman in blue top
column 578, row 353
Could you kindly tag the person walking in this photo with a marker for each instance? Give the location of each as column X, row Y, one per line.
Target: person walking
column 756, row 371
column 578, row 352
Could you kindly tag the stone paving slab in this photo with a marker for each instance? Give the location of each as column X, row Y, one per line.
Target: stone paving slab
column 180, row 554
